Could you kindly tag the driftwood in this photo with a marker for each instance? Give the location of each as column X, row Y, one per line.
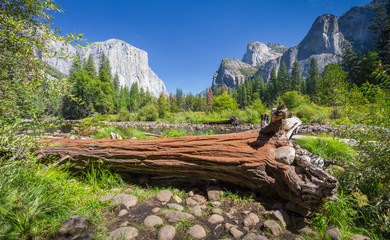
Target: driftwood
column 233, row 121
column 254, row 160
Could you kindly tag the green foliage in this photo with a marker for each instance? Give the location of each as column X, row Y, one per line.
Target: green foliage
column 332, row 87
column 132, row 132
column 99, row 177
column 224, row 102
column 148, row 113
column 311, row 113
column 293, row 99
column 106, row 131
column 328, row 148
column 36, row 199
column 174, row 133
column 342, row 214
column 312, row 81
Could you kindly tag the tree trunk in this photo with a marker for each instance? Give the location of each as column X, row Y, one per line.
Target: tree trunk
column 248, row 159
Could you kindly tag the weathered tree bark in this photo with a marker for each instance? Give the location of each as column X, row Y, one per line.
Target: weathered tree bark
column 233, row 121
column 246, row 159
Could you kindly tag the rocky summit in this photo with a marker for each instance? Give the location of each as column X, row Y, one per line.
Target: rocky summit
column 129, row 62
column 323, row 42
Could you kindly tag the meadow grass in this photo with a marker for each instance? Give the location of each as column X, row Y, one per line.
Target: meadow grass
column 328, row 148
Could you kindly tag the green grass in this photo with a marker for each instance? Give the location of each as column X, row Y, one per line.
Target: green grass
column 237, row 197
column 106, row 131
column 132, row 132
column 174, row 133
column 99, row 177
column 35, row 200
column 328, row 148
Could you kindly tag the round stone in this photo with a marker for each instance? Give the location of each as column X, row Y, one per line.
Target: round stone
column 197, row 232
column 166, row 233
column 151, row 221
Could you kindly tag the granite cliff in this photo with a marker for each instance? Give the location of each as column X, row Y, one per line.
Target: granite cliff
column 129, row 62
column 323, row 42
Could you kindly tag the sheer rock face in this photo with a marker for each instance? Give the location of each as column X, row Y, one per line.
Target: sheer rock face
column 232, row 72
column 258, row 53
column 323, row 37
column 323, row 42
column 129, row 62
column 355, row 25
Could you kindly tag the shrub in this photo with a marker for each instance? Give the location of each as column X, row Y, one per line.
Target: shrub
column 311, row 113
column 293, row 99
column 148, row 113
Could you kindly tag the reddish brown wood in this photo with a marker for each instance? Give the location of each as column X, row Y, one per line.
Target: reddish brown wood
column 234, row 158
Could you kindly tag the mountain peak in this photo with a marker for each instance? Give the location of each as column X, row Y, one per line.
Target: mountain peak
column 258, row 53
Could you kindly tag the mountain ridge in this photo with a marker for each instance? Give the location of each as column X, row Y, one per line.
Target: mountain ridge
column 130, row 63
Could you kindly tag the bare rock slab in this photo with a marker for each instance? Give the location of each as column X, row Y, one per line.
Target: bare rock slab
column 127, row 232
column 164, row 195
column 274, row 227
column 166, row 233
column 152, row 220
column 197, row 232
column 126, row 200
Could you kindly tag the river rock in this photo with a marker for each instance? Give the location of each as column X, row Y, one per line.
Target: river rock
column 175, row 216
column 164, row 195
column 127, row 232
column 273, row 227
column 175, row 206
column 166, row 233
column 74, row 225
column 177, row 199
column 105, row 197
column 197, row 232
column 235, row 232
column 215, row 218
column 254, row 236
column 251, row 220
column 196, row 211
column 214, row 193
column 126, row 200
column 334, row 233
column 152, row 220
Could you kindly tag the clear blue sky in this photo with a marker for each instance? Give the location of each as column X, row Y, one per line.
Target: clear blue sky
column 186, row 40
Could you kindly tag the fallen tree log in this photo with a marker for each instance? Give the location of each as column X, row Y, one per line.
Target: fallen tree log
column 233, row 121
column 266, row 162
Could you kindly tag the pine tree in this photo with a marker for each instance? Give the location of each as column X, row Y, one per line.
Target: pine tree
column 313, row 80
column 282, row 80
column 89, row 67
column 272, row 86
column 296, row 79
column 349, row 60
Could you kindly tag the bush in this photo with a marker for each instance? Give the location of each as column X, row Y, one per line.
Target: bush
column 148, row 113
column 293, row 99
column 311, row 113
